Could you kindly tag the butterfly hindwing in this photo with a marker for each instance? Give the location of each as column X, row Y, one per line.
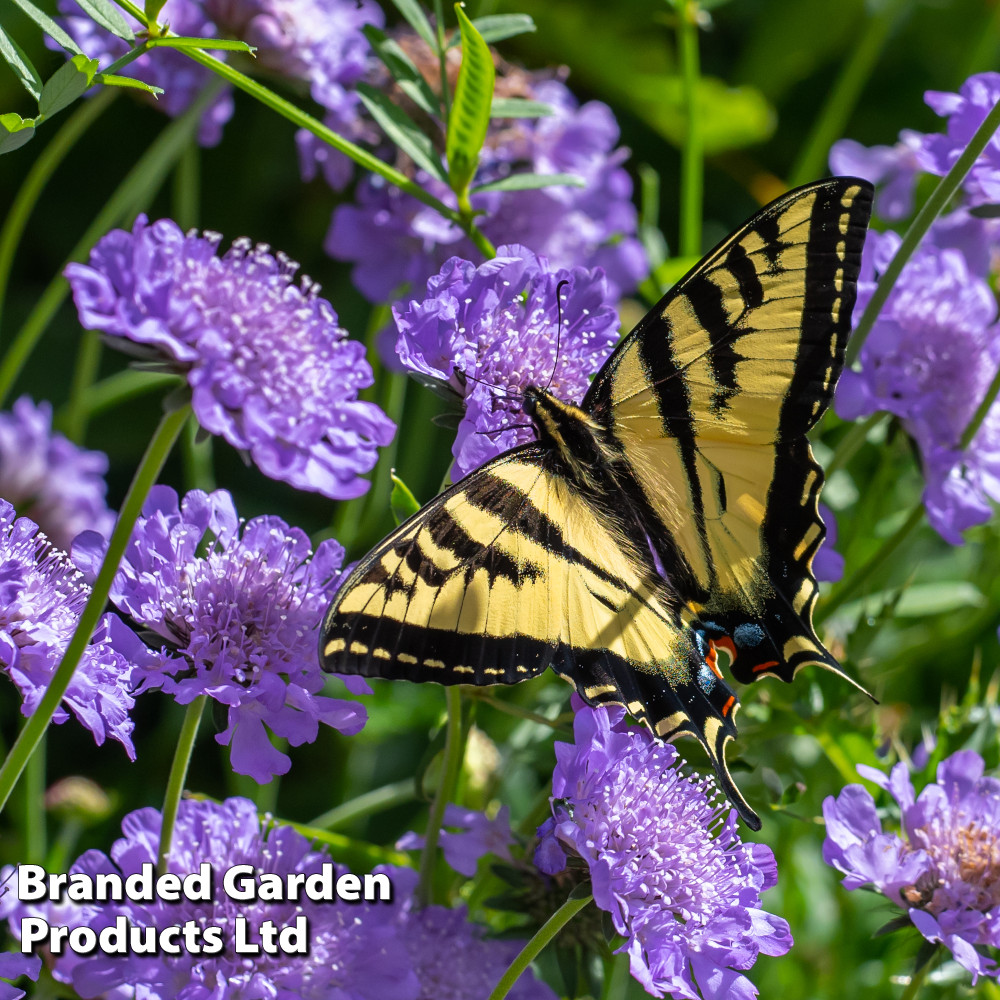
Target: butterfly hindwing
column 710, row 399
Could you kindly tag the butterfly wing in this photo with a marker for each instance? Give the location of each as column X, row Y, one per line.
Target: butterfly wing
column 512, row 570
column 710, row 399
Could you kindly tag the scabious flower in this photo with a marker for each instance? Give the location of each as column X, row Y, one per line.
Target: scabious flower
column 474, row 835
column 665, row 860
column 354, row 951
column 393, row 240
column 237, row 607
column 268, row 366
column 893, row 168
column 59, row 485
column 41, row 598
column 929, row 359
column 180, row 78
column 943, row 867
column 13, row 966
column 493, row 330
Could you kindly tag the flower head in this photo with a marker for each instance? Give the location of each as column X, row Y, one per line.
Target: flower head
column 268, row 366
column 664, row 859
column 238, row 608
column 929, row 360
column 42, row 596
column 48, row 478
column 393, row 240
column 354, row 952
column 894, row 168
column 180, row 79
column 491, row 331
column 943, row 867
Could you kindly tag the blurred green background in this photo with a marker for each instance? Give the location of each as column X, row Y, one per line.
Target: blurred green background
column 772, row 66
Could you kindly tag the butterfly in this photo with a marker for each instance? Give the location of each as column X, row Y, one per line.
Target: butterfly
column 672, row 514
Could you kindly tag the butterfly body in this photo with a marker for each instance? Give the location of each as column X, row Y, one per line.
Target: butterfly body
column 671, row 513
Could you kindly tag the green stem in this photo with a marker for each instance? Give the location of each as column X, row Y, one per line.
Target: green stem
column 454, row 751
column 692, row 155
column 932, row 208
column 145, row 476
column 398, row 793
column 616, row 973
column 187, row 187
column 443, row 60
column 34, row 184
column 512, row 708
column 88, row 362
column 851, row 442
column 34, row 807
column 888, row 547
column 199, row 473
column 917, row 979
column 842, row 99
column 534, row 947
column 138, row 187
column 178, row 775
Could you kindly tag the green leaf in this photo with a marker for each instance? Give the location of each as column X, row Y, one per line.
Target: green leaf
column 729, row 117
column 406, row 75
column 402, row 130
column 417, row 20
column 49, row 26
column 402, row 501
column 66, row 84
column 470, row 112
column 185, row 42
column 519, row 107
column 528, row 182
column 15, row 131
column 497, row 27
column 672, row 270
column 113, row 80
column 109, row 17
column 22, row 66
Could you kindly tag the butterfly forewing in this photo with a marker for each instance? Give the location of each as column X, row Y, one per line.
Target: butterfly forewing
column 711, row 397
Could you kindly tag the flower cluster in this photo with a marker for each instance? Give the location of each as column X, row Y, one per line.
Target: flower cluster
column 943, row 867
column 366, row 951
column 935, row 348
column 237, row 608
column 41, row 598
column 664, row 858
column 491, row 331
column 48, row 478
column 394, row 241
column 268, row 366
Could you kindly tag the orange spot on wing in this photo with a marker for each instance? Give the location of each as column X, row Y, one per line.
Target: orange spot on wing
column 713, row 660
column 729, row 646
column 765, row 666
column 729, row 704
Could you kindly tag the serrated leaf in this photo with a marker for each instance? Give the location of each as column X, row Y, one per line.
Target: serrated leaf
column 470, row 111
column 18, row 60
column 113, row 80
column 49, row 27
column 402, row 130
column 402, row 501
column 497, row 27
column 528, row 182
column 417, row 20
column 519, row 107
column 400, row 66
column 66, row 84
column 109, row 17
column 15, row 131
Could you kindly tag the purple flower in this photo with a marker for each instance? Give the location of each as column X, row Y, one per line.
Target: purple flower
column 269, row 368
column 929, row 359
column 664, row 858
column 13, row 966
column 475, row 837
column 181, row 79
column 966, row 111
column 828, row 564
column 395, row 241
column 48, row 478
column 353, row 953
column 493, row 330
column 41, row 598
column 453, row 958
column 894, row 168
column 943, row 868
column 238, row 607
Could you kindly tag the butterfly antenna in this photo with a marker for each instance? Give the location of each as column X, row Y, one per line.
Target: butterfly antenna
column 555, row 360
column 507, row 394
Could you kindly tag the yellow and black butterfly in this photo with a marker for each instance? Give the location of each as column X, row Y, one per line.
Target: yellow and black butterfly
column 674, row 511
